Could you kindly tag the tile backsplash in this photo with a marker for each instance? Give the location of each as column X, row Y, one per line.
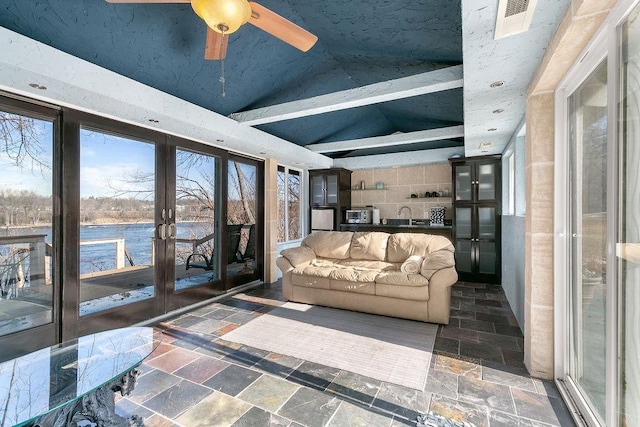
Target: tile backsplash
column 399, row 184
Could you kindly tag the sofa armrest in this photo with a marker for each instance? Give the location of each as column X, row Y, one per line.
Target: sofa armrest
column 284, row 264
column 436, row 261
column 300, row 256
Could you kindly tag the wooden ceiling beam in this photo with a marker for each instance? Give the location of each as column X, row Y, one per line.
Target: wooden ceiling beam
column 405, row 87
column 389, row 140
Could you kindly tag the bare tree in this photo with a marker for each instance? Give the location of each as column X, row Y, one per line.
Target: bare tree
column 22, row 141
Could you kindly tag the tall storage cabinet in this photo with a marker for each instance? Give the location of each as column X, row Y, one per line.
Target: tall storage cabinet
column 476, row 218
column 330, row 189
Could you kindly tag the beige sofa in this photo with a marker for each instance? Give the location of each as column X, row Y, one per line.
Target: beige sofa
column 363, row 271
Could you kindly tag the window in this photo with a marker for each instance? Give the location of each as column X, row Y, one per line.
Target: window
column 289, row 192
column 512, row 184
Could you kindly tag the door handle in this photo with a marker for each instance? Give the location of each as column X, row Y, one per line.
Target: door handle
column 162, row 231
column 172, row 231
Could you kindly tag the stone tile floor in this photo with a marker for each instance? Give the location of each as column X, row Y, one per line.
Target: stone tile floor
column 196, row 378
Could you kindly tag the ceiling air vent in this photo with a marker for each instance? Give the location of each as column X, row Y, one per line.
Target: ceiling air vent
column 514, row 17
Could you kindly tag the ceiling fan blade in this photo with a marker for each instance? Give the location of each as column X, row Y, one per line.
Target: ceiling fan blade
column 148, row 1
column 281, row 28
column 216, row 45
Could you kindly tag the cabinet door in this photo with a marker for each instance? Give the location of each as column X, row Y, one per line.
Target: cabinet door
column 487, row 253
column 463, row 186
column 464, row 256
column 317, row 190
column 486, row 181
column 464, row 222
column 332, row 189
column 486, row 225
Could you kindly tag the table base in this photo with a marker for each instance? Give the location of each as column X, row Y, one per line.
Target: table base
column 97, row 407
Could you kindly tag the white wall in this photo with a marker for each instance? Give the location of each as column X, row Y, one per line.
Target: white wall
column 513, row 231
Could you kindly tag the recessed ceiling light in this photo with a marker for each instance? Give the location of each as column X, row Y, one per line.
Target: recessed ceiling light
column 498, row 111
column 485, row 145
column 497, row 84
column 492, row 129
column 37, row 86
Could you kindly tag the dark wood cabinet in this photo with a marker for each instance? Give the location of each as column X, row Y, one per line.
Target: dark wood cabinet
column 330, row 189
column 476, row 218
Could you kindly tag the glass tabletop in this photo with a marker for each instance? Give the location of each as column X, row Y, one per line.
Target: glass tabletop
column 40, row 382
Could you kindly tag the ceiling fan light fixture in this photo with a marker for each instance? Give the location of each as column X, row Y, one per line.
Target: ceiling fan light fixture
column 223, row 16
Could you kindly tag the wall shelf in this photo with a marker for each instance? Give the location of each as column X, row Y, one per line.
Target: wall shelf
column 369, row 189
column 425, row 197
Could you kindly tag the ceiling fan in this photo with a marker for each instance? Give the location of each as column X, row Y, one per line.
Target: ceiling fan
column 224, row 17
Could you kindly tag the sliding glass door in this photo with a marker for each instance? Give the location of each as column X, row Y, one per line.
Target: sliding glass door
column 588, row 154
column 598, row 354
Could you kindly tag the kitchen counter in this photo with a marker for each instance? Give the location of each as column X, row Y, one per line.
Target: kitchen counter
column 417, row 227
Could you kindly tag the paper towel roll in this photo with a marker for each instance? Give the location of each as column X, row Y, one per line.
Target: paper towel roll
column 375, row 216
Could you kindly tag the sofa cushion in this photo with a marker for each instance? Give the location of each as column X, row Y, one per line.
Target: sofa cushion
column 367, row 265
column 403, row 245
column 369, row 245
column 368, row 288
column 299, row 256
column 311, row 276
column 437, row 261
column 400, row 285
column 330, row 244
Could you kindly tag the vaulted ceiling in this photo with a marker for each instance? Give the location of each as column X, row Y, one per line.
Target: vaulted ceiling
column 384, row 77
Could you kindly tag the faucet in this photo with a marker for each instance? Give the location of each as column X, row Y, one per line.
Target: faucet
column 410, row 214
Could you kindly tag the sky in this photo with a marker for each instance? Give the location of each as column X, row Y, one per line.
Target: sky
column 110, row 166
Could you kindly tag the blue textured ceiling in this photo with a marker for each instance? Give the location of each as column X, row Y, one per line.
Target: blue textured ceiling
column 360, row 42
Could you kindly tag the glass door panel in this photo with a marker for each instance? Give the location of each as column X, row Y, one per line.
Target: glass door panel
column 317, row 189
column 487, row 258
column 629, row 223
column 332, row 189
column 464, row 181
column 242, row 212
column 588, row 145
column 463, row 222
column 464, row 256
column 117, row 228
column 486, row 182
column 486, row 222
column 197, row 240
column 27, row 281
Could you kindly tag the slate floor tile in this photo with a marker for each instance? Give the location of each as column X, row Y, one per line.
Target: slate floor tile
column 177, row 398
column 310, row 407
column 459, row 411
column 502, row 419
column 152, row 383
column 201, row 369
column 208, row 326
column 174, row 359
column 354, row 387
column 268, row 392
column 459, row 334
column 218, row 348
column 220, row 313
column 246, row 356
column 259, row 417
column 127, row 408
column 232, row 380
column 477, row 325
column 442, row 383
column 157, row 420
column 314, row 375
column 447, row 345
column 484, row 393
column 217, row 410
column 278, row 364
column 507, row 375
column 458, row 366
column 484, row 351
column 356, row 416
column 401, row 401
column 540, row 407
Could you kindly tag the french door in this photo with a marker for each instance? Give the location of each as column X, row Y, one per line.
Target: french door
column 598, row 211
column 105, row 224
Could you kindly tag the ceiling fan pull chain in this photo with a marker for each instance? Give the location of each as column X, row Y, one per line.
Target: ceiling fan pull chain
column 222, row 80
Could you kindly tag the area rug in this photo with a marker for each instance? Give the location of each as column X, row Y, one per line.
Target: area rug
column 388, row 349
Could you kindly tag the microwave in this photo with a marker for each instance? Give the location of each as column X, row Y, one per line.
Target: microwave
column 359, row 216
